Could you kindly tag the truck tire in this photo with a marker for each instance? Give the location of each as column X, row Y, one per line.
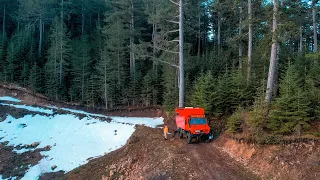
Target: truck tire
column 180, row 134
column 189, row 138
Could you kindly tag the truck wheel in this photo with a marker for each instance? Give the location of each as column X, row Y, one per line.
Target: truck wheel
column 189, row 138
column 180, row 134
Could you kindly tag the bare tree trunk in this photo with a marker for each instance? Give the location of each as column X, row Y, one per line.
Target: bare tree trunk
column 105, row 86
column 276, row 74
column 181, row 61
column 56, row 61
column 61, row 46
column 132, row 55
column 132, row 58
column 83, row 78
column 315, row 38
column 82, row 18
column 240, row 33
column 199, row 30
column 273, row 56
column 154, row 36
column 40, row 35
column 301, row 41
column 4, row 23
column 219, row 29
column 250, row 42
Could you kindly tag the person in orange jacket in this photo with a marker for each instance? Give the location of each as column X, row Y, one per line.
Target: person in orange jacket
column 165, row 132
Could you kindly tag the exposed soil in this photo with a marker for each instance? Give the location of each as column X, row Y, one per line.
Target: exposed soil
column 292, row 161
column 16, row 165
column 148, row 156
column 16, row 112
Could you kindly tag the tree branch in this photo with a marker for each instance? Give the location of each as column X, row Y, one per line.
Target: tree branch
column 166, row 50
column 175, row 3
column 173, row 31
column 173, row 65
column 176, row 22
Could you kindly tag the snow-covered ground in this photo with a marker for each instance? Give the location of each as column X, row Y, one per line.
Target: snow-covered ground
column 130, row 120
column 73, row 140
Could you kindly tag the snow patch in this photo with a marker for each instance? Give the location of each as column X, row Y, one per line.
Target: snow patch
column 8, row 98
column 29, row 108
column 150, row 122
column 73, row 140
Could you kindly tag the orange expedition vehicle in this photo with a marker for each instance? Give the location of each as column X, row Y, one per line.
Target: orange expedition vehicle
column 192, row 124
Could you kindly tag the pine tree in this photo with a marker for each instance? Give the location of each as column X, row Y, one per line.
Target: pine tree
column 92, row 92
column 313, row 89
column 171, row 90
column 80, row 68
column 58, row 59
column 289, row 112
column 147, row 88
column 204, row 92
column 2, row 64
column 34, row 81
column 115, row 52
column 258, row 115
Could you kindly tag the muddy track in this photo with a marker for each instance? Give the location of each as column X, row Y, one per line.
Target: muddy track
column 148, row 156
column 212, row 163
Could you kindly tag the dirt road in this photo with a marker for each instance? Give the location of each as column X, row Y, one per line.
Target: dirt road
column 148, row 156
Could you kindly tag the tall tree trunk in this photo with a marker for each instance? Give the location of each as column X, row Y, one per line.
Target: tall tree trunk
column 240, row 34
column 301, row 41
column 219, row 29
column 83, row 78
column 199, row 30
column 250, row 42
column 61, row 44
column 56, row 73
column 132, row 55
column 315, row 38
column 273, row 56
column 105, row 86
column 181, row 61
column 40, row 35
column 4, row 23
column 132, row 58
column 82, row 19
column 154, row 38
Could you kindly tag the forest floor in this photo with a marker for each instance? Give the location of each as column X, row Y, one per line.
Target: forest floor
column 146, row 155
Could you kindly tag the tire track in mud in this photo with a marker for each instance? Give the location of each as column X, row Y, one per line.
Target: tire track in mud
column 212, row 163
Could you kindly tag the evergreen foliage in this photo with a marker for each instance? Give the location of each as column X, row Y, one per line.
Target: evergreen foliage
column 204, row 92
column 125, row 53
column 289, row 112
column 235, row 121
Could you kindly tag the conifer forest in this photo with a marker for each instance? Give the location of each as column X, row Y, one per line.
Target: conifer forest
column 253, row 58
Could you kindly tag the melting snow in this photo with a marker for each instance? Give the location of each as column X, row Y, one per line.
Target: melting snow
column 73, row 140
column 8, row 98
column 29, row 108
column 150, row 122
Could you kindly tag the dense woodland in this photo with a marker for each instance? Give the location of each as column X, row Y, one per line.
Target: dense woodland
column 259, row 57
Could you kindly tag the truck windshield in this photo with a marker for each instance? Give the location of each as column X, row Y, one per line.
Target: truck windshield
column 198, row 121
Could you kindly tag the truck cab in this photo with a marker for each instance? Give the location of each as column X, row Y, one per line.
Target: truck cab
column 192, row 124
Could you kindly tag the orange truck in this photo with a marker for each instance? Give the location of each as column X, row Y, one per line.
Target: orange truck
column 192, row 124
